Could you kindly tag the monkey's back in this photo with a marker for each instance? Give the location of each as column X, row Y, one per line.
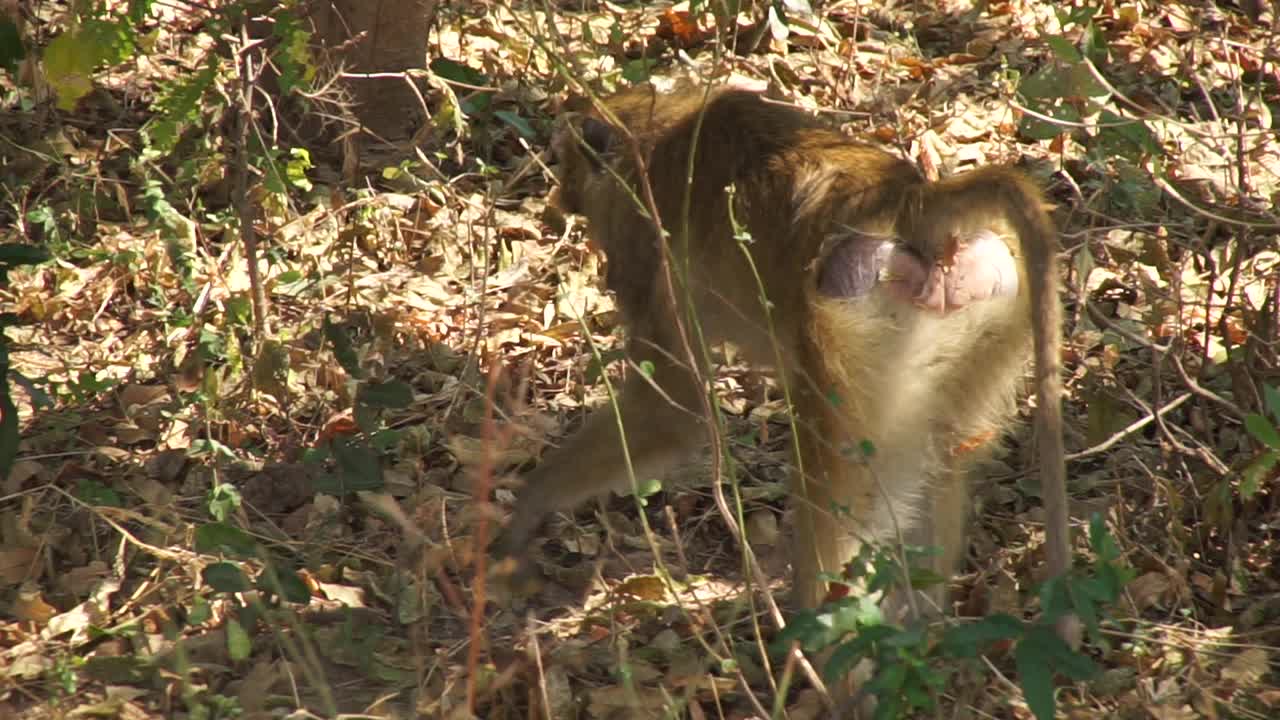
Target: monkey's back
column 759, row 168
column 769, row 172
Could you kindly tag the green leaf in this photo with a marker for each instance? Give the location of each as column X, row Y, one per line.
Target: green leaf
column 923, row 578
column 1081, row 83
column 1257, row 471
column 139, row 10
column 1063, row 49
column 1262, row 430
column 392, row 394
column 865, row 642
column 521, row 125
column 1038, row 129
column 71, row 58
column 638, row 71
column 15, row 254
column 109, row 41
column 889, row 707
column 358, row 465
column 386, row 439
column 118, row 669
column 804, row 624
column 367, row 417
column 843, row 659
column 1100, row 540
column 224, row 499
column 287, row 585
column 1271, row 398
column 178, row 106
column 317, row 455
column 857, row 612
column 201, row 612
column 889, row 679
column 1068, row 15
column 296, row 168
column 219, row 537
column 68, row 69
column 292, row 54
column 453, row 71
column 94, row 493
column 225, row 577
column 917, row 694
column 208, row 446
column 970, row 639
column 1095, row 46
column 817, row 630
column 1126, row 136
column 1075, row 665
column 8, row 417
column 908, row 638
column 12, row 51
column 343, row 350
column 1035, row 676
column 1082, row 601
column 1055, row 600
column 647, row 488
column 239, row 645
column 1045, row 84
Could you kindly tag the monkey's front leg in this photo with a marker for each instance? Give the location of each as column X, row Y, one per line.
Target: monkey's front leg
column 656, row 415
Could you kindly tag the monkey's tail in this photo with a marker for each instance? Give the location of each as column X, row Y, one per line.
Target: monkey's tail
column 976, row 200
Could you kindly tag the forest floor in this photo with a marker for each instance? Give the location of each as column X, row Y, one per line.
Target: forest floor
column 211, row 519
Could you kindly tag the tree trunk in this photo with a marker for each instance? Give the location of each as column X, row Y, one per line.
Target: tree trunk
column 379, row 36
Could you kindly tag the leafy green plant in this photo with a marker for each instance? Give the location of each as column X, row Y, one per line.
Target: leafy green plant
column 217, row 538
column 43, row 220
column 62, row 674
column 178, row 106
column 1072, row 95
column 914, row 663
column 99, row 35
column 1265, row 429
column 357, row 456
column 1063, row 92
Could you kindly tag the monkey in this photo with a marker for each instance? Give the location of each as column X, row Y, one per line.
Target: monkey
column 898, row 314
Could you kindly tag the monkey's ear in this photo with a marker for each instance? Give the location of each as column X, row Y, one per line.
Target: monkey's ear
column 598, row 135
column 583, row 136
column 575, row 104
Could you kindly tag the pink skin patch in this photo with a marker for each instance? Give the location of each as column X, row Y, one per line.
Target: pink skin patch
column 976, row 268
column 973, row 268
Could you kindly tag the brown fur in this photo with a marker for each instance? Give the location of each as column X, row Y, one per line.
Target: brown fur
column 924, row 388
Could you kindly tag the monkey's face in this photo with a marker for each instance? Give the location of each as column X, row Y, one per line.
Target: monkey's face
column 580, row 146
column 566, row 160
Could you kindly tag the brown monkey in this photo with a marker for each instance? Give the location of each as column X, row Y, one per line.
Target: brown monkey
column 899, row 314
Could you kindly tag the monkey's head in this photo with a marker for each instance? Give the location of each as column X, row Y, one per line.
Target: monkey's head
column 581, row 145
